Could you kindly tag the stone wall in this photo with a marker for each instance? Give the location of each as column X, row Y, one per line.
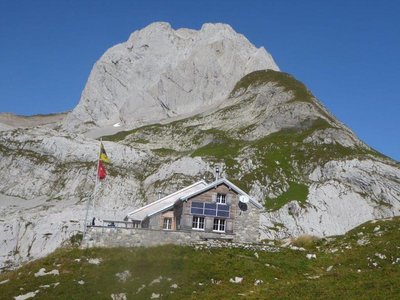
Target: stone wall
column 139, row 237
column 246, row 222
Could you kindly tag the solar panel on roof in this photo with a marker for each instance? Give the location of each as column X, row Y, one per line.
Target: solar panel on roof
column 223, row 207
column 197, row 211
column 222, row 213
column 209, row 209
column 210, row 212
column 210, row 205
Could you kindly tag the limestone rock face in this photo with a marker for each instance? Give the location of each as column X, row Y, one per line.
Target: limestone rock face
column 159, row 73
column 48, row 177
column 343, row 195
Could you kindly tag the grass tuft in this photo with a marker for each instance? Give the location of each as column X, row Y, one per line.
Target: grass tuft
column 306, row 241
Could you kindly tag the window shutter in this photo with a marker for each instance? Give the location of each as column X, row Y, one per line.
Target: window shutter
column 214, row 197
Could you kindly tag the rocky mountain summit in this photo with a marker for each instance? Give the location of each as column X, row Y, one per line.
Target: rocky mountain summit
column 207, row 98
column 160, row 73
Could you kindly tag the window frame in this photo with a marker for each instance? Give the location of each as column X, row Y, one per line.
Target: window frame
column 167, row 223
column 219, row 223
column 198, row 220
column 221, row 198
column 135, row 224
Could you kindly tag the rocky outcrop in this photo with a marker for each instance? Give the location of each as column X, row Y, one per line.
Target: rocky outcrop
column 161, row 73
column 33, row 228
column 342, row 195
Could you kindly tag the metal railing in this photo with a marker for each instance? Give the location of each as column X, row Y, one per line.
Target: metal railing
column 114, row 224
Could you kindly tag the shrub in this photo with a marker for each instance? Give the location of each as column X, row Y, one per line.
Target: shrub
column 306, row 241
column 76, row 239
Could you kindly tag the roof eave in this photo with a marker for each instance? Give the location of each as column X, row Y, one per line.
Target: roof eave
column 160, row 210
column 163, row 199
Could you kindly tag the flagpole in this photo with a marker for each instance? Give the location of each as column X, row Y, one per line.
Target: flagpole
column 94, row 192
column 97, row 177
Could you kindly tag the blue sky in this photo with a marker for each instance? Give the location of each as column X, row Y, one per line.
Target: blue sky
column 346, row 52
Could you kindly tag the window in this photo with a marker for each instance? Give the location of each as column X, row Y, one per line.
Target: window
column 135, row 224
column 219, row 225
column 221, row 198
column 167, row 224
column 198, row 223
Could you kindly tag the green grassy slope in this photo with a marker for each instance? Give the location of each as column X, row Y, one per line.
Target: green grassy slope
column 364, row 264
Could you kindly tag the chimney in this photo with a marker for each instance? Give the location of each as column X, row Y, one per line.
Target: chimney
column 217, row 173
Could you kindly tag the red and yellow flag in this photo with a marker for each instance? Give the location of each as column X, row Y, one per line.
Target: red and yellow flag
column 103, row 158
column 103, row 155
column 101, row 171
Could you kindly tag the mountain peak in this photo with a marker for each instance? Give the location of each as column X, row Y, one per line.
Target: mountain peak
column 151, row 29
column 212, row 27
column 162, row 73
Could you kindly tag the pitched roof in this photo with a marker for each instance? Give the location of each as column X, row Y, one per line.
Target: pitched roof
column 217, row 183
column 164, row 203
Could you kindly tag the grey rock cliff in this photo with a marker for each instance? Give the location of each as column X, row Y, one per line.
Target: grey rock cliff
column 161, row 73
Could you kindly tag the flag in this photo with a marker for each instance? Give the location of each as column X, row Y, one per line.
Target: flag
column 103, row 155
column 101, row 171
